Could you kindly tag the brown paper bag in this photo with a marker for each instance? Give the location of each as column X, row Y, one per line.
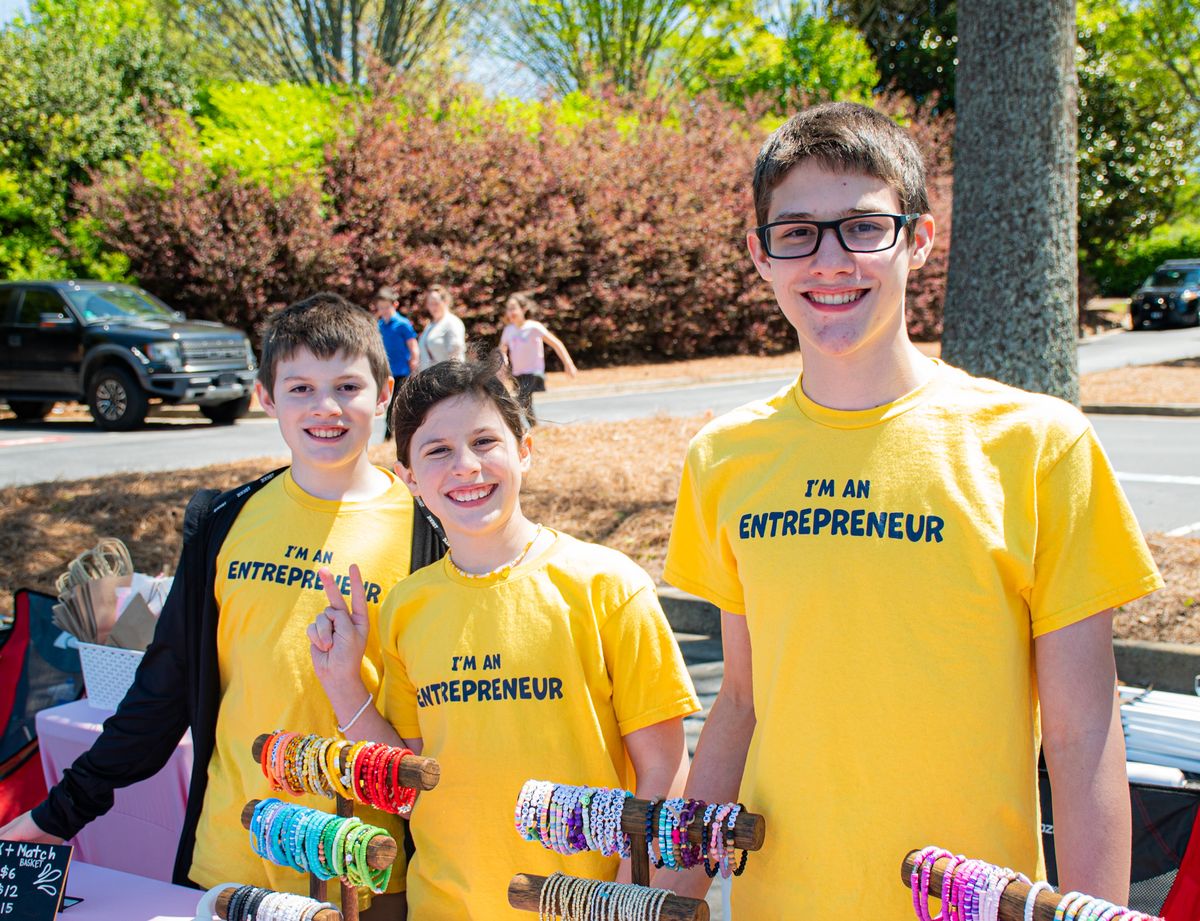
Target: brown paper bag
column 99, row 598
column 134, row 629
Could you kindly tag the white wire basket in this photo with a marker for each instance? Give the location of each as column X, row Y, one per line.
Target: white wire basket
column 107, row 673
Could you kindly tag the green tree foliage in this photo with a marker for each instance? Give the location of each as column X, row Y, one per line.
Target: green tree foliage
column 1179, row 240
column 792, row 54
column 272, row 135
column 1133, row 138
column 636, row 46
column 1172, row 36
column 915, row 43
column 326, row 41
column 75, row 99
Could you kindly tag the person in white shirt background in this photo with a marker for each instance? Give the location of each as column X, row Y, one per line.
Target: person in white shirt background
column 444, row 337
column 522, row 343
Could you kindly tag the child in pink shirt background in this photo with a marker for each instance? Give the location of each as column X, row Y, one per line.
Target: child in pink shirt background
column 522, row 343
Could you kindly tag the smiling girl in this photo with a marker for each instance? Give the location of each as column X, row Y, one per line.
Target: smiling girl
column 524, row 654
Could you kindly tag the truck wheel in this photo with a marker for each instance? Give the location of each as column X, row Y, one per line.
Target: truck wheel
column 117, row 403
column 31, row 410
column 227, row 413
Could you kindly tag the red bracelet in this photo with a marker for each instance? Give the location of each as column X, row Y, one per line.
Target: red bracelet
column 264, row 761
column 379, row 778
column 360, row 774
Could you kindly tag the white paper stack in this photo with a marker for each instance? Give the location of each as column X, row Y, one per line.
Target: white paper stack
column 1161, row 728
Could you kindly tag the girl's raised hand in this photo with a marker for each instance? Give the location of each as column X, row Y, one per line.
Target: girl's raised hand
column 338, row 636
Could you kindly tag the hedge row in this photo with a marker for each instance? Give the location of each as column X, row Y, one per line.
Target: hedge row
column 629, row 228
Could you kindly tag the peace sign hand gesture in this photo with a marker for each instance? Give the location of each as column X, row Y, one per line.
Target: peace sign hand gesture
column 338, row 637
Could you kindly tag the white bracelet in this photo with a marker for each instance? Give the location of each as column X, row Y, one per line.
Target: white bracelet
column 354, row 719
column 1031, row 898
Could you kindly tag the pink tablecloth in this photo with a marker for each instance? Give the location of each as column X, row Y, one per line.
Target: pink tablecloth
column 140, row 834
column 111, row 896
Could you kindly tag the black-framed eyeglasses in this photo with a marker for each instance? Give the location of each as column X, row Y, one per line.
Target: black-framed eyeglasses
column 860, row 233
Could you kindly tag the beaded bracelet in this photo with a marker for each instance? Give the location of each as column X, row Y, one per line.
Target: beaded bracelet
column 312, row 841
column 656, row 862
column 972, row 890
column 572, row 899
column 251, row 903
column 569, row 819
column 309, row 764
column 1031, row 898
column 948, row 876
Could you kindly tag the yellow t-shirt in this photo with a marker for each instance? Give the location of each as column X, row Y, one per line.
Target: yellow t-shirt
column 268, row 594
column 894, row 565
column 532, row 675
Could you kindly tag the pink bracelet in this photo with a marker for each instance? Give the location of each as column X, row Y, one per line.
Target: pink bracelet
column 968, row 895
column 927, row 855
column 948, row 877
column 954, row 889
column 951, row 880
column 1002, row 880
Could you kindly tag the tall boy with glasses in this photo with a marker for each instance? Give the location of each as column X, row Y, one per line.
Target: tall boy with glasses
column 912, row 564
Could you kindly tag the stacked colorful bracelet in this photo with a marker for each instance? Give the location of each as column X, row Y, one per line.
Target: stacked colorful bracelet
column 567, row 820
column 250, row 903
column 716, row 851
column 316, row 842
column 972, row 889
column 299, row 764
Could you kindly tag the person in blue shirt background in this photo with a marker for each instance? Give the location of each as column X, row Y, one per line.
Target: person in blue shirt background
column 399, row 341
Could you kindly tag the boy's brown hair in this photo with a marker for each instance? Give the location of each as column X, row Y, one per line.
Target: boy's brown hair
column 843, row 137
column 326, row 324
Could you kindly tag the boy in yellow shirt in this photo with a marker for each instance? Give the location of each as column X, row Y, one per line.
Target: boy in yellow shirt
column 915, row 569
column 230, row 659
column 524, row 654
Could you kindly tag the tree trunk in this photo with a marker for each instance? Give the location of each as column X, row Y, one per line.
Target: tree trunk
column 1010, row 310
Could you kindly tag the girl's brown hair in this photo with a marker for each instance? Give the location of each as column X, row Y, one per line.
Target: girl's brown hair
column 485, row 378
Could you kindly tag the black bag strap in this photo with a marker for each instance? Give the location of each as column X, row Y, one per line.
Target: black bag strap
column 428, row 539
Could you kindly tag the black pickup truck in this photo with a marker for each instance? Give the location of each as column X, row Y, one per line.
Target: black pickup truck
column 1169, row 297
column 116, row 347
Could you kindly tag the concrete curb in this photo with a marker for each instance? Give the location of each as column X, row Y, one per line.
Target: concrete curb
column 1142, row 409
column 649, row 385
column 1164, row 666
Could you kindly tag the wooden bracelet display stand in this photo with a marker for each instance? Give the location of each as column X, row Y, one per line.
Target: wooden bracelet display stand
column 749, row 832
column 1012, row 903
column 415, row 772
column 222, row 907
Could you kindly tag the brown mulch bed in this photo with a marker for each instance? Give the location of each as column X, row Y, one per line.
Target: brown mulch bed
column 609, row 482
column 1172, row 614
column 1173, row 382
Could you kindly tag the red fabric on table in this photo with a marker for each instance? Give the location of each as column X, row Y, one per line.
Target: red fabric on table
column 1183, row 902
column 21, row 786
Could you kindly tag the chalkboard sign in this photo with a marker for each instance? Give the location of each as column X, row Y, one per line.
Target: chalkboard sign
column 32, row 877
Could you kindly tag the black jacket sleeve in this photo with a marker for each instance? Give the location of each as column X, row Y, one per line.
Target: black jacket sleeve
column 428, row 539
column 139, row 739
